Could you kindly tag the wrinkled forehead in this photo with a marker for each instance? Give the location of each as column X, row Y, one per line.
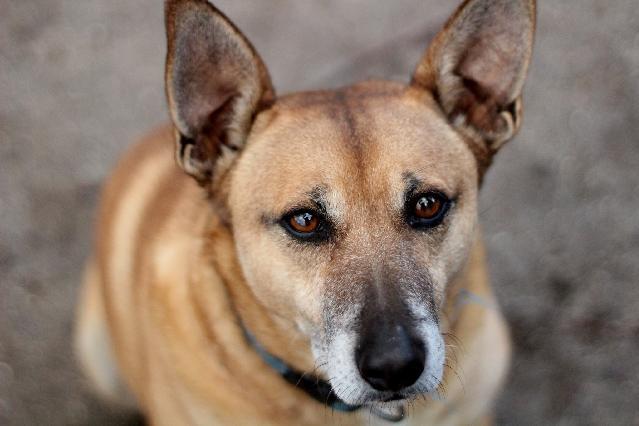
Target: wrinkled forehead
column 352, row 145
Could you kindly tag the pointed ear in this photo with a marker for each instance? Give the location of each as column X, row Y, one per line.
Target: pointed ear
column 476, row 68
column 215, row 83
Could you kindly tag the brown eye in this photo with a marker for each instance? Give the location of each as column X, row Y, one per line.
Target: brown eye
column 304, row 223
column 309, row 226
column 428, row 206
column 427, row 210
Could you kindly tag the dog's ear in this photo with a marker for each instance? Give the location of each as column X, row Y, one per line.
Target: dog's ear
column 476, row 67
column 215, row 83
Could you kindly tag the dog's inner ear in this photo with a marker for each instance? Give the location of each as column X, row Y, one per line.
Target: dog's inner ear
column 215, row 84
column 476, row 67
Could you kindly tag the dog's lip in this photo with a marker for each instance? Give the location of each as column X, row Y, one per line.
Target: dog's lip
column 393, row 397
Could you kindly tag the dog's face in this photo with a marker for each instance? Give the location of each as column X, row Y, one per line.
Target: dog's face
column 352, row 209
column 363, row 210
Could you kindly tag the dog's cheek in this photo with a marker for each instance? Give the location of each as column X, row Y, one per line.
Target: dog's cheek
column 454, row 249
column 263, row 273
column 278, row 280
column 308, row 300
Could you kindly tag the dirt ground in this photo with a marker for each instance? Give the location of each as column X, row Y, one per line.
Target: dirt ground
column 80, row 80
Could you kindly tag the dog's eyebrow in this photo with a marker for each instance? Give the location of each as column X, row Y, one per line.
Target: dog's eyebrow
column 412, row 183
column 318, row 196
column 415, row 185
column 314, row 199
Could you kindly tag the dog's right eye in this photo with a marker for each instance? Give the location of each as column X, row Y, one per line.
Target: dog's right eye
column 305, row 225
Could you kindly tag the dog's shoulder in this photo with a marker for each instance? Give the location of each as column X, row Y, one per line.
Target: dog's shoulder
column 141, row 201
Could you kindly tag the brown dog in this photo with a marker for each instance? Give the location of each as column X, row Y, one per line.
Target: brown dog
column 328, row 268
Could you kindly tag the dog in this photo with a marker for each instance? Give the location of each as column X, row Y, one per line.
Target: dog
column 313, row 258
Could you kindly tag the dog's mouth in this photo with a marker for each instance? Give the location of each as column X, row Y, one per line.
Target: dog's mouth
column 393, row 397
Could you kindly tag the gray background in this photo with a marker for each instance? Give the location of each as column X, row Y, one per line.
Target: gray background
column 80, row 80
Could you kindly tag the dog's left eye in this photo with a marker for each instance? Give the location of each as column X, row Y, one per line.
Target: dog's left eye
column 427, row 210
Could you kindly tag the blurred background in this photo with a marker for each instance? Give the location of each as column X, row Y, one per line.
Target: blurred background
column 81, row 80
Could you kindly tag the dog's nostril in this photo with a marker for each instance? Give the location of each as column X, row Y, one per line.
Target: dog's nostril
column 391, row 364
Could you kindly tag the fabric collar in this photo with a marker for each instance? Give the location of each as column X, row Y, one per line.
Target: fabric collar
column 317, row 388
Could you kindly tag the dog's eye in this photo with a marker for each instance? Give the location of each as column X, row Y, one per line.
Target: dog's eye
column 428, row 206
column 427, row 210
column 304, row 223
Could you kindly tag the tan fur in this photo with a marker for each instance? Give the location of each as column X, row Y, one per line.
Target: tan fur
column 177, row 266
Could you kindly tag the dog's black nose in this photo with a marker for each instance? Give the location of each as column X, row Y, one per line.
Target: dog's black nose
column 390, row 359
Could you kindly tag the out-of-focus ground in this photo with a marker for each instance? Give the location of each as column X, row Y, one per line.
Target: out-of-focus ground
column 80, row 80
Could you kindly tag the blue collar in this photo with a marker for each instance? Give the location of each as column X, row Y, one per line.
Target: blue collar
column 315, row 387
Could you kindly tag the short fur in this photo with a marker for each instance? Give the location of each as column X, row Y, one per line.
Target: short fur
column 179, row 268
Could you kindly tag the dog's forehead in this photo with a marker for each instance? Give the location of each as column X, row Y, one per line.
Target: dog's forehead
column 370, row 136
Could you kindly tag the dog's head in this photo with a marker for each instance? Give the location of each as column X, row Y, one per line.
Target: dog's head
column 352, row 209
